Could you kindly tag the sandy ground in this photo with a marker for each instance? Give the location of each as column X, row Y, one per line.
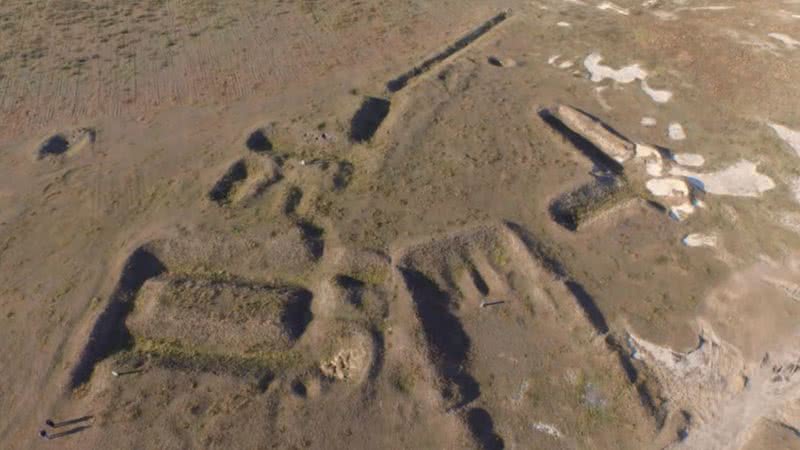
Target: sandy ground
column 557, row 224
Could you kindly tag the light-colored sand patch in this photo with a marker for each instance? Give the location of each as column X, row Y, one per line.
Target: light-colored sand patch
column 682, row 211
column 784, row 14
column 347, row 364
column 551, row 60
column 675, row 132
column 707, row 8
column 665, row 15
column 565, row 65
column 700, row 240
column 520, row 394
column 608, row 6
column 696, row 370
column 729, row 388
column 787, row 40
column 788, row 220
column 667, row 187
column 790, row 136
column 740, row 180
column 753, row 40
column 794, row 185
column 654, row 165
column 598, row 92
column 503, row 62
column 658, row 96
column 689, row 159
column 646, row 151
column 790, row 289
column 599, row 72
column 727, row 395
column 654, row 168
column 627, row 74
column 547, row 429
column 564, row 24
column 695, row 378
column 648, row 122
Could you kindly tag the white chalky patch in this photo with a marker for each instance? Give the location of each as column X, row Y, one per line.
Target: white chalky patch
column 626, row 74
column 612, row 7
column 547, row 429
column 700, row 240
column 681, row 212
column 553, row 59
column 648, row 122
column 787, row 40
column 741, row 180
column 728, row 392
column 653, row 164
column 598, row 92
column 689, row 159
column 681, row 365
column 707, row 8
column 658, row 96
column 507, row 62
column 667, row 187
column 675, row 132
column 654, row 168
column 789, row 220
column 646, row 151
column 794, row 185
column 565, row 65
column 600, row 72
column 753, row 40
column 665, row 15
column 564, row 24
column 790, row 136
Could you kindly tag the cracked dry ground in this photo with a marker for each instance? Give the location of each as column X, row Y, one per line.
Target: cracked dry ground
column 368, row 224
